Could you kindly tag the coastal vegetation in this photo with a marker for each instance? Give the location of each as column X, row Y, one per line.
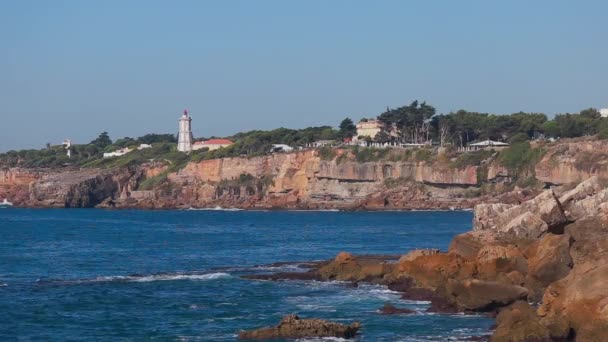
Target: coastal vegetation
column 416, row 123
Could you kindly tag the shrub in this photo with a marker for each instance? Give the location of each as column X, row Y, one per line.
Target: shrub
column 520, row 157
column 327, row 153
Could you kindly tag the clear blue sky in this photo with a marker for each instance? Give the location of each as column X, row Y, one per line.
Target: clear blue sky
column 76, row 68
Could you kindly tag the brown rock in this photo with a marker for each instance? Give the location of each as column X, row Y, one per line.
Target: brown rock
column 350, row 268
column 292, row 327
column 551, row 260
column 469, row 244
column 412, row 255
column 478, row 295
column 519, row 322
column 344, row 257
column 432, row 271
column 578, row 304
column 495, row 262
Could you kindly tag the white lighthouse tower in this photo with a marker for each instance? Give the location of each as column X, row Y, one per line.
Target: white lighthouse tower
column 184, row 137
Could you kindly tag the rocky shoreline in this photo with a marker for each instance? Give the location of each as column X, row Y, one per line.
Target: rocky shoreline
column 540, row 267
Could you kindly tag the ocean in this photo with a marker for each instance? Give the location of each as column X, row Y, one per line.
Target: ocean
column 134, row 275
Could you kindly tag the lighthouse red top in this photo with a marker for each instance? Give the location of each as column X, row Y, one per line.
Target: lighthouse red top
column 185, row 112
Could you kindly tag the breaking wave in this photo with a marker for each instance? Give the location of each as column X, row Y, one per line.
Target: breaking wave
column 141, row 278
column 216, row 209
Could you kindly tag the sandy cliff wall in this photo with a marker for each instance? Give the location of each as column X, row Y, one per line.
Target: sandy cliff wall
column 294, row 180
column 15, row 183
column 573, row 162
column 303, row 179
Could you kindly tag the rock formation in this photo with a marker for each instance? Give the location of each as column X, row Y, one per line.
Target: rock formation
column 542, row 266
column 293, row 327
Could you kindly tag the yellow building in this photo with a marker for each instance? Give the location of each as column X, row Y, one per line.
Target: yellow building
column 369, row 128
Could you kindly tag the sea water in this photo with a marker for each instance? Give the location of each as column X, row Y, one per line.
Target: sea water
column 86, row 274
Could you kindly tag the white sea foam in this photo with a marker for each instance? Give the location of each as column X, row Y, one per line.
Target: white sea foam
column 322, row 339
column 142, row 278
column 314, row 210
column 3, row 284
column 216, row 209
column 282, row 268
column 165, row 277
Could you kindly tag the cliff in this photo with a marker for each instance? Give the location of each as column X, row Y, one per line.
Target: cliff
column 306, row 180
column 573, row 161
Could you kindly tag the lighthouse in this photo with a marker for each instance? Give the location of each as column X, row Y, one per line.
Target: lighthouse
column 184, row 137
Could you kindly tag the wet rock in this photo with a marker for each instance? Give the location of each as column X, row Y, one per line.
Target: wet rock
column 389, row 309
column 347, row 267
column 409, row 291
column 478, row 295
column 293, row 327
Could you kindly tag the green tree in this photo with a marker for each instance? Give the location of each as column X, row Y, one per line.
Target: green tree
column 102, row 141
column 347, row 128
column 412, row 122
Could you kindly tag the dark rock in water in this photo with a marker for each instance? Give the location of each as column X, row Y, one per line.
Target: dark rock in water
column 439, row 303
column 389, row 309
column 477, row 295
column 292, row 327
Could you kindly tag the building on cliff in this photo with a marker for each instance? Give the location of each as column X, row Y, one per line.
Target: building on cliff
column 489, row 145
column 117, row 153
column 212, row 144
column 369, row 128
column 184, row 136
column 604, row 112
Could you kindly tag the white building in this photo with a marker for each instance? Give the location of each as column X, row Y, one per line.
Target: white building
column 143, row 146
column 281, row 148
column 212, row 144
column 369, row 128
column 184, row 137
column 67, row 143
column 489, row 145
column 117, row 153
column 604, row 112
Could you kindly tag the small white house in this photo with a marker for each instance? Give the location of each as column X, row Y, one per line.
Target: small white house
column 604, row 112
column 281, row 148
column 117, row 153
column 321, row 143
column 143, row 146
column 489, row 145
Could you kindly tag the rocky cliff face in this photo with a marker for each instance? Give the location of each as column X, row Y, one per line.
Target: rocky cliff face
column 573, row 162
column 541, row 265
column 304, row 180
column 298, row 180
